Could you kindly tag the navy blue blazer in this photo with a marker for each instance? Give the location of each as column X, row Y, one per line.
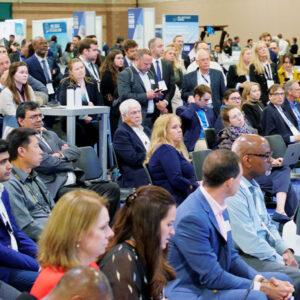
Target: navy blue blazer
column 217, row 86
column 36, row 71
column 170, row 170
column 23, row 259
column 131, row 154
column 272, row 123
column 191, row 123
column 287, row 107
column 200, row 255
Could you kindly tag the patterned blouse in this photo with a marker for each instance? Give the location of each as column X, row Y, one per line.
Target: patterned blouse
column 125, row 272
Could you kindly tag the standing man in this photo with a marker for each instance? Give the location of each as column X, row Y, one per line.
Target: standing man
column 178, row 40
column 130, row 48
column 207, row 76
column 76, row 40
column 30, row 200
column 131, row 142
column 202, row 251
column 164, row 75
column 258, row 240
column 138, row 82
column 266, row 37
column 42, row 68
column 19, row 266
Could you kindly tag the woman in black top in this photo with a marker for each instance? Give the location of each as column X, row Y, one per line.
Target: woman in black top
column 262, row 70
column 135, row 262
column 112, row 65
column 252, row 106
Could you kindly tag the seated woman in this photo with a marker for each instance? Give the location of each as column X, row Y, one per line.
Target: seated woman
column 238, row 75
column 76, row 233
column 287, row 71
column 252, row 106
column 231, row 96
column 168, row 160
column 17, row 90
column 112, row 65
column 171, row 54
column 278, row 182
column 86, row 126
column 262, row 70
column 135, row 263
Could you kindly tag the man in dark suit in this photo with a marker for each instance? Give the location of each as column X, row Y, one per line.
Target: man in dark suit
column 19, row 266
column 196, row 116
column 138, row 82
column 178, row 40
column 276, row 118
column 164, row 75
column 205, row 75
column 130, row 48
column 131, row 141
column 291, row 105
column 56, row 169
column 42, row 68
column 202, row 251
column 266, row 37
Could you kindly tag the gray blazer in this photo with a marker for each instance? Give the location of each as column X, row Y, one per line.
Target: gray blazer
column 53, row 170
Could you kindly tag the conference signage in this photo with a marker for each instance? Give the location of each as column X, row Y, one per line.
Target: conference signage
column 186, row 25
column 136, row 25
column 56, row 28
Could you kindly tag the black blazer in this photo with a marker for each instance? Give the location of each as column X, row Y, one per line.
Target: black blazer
column 261, row 79
column 233, row 79
column 92, row 90
column 186, row 59
column 273, row 123
column 253, row 114
column 217, row 86
column 168, row 77
column 107, row 86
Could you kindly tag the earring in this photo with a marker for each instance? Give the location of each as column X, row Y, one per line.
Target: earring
column 77, row 245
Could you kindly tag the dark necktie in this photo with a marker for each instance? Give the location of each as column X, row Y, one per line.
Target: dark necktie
column 158, row 71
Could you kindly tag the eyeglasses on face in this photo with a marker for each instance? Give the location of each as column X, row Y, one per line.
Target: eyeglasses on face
column 266, row 155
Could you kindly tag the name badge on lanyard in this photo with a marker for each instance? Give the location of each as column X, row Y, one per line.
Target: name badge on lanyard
column 50, row 88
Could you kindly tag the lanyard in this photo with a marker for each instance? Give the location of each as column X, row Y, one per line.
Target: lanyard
column 268, row 72
column 293, row 129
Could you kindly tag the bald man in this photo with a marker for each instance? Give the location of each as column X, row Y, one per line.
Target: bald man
column 207, row 76
column 257, row 239
column 79, row 283
column 43, row 68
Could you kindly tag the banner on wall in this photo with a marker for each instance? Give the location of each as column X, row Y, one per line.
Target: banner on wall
column 79, row 23
column 186, row 25
column 136, row 25
column 56, row 28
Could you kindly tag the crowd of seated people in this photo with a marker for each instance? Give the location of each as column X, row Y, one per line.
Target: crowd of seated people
column 162, row 101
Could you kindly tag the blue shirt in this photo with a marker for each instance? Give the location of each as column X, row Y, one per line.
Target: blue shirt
column 203, row 121
column 296, row 111
column 247, row 211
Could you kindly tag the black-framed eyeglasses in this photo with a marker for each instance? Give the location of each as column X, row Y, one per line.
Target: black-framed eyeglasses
column 265, row 155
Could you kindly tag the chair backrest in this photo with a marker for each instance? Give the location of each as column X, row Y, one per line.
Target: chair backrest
column 210, row 137
column 277, row 145
column 198, row 158
column 89, row 163
column 114, row 155
column 145, row 166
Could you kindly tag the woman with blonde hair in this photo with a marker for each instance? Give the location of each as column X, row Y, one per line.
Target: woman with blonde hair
column 262, row 70
column 168, row 159
column 87, row 133
column 76, row 233
column 252, row 106
column 238, row 75
column 171, row 54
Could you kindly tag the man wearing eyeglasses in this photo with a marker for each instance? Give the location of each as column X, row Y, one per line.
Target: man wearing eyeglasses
column 257, row 239
column 56, row 169
column 276, row 119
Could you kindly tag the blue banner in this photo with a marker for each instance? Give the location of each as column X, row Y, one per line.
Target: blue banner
column 186, row 25
column 136, row 25
column 56, row 28
column 79, row 23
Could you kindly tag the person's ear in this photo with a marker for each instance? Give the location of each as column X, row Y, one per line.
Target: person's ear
column 245, row 161
column 21, row 151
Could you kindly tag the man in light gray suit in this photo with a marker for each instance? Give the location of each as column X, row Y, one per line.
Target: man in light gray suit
column 207, row 76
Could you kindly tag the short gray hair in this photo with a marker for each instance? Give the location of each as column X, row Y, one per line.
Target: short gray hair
column 124, row 106
column 288, row 85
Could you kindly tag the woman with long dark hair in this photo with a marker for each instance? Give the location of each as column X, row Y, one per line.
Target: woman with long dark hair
column 112, row 65
column 135, row 262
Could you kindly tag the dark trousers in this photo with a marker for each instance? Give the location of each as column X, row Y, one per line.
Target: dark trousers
column 270, row 266
column 22, row 280
column 109, row 190
column 279, row 181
